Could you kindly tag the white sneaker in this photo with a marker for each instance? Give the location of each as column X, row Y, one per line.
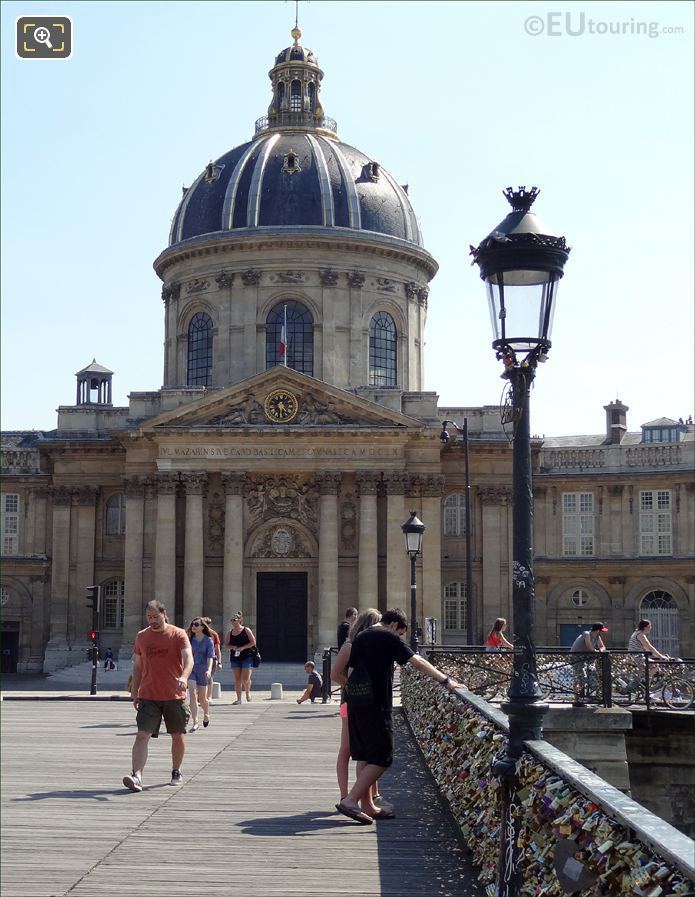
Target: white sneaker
column 133, row 782
column 176, row 778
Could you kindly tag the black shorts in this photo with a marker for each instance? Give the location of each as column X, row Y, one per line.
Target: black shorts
column 371, row 735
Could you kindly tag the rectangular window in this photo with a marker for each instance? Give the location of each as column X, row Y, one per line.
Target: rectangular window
column 655, row 522
column 9, row 522
column 578, row 524
column 455, row 606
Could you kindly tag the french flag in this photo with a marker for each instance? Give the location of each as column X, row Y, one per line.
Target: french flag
column 282, row 349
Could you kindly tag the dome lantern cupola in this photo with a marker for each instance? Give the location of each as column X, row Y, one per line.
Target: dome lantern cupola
column 296, row 80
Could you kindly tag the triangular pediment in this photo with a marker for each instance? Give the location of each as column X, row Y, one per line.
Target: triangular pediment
column 260, row 401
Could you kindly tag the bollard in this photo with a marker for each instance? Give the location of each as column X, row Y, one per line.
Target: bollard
column 216, row 691
column 276, row 691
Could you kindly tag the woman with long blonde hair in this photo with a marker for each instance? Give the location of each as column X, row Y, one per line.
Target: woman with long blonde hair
column 369, row 618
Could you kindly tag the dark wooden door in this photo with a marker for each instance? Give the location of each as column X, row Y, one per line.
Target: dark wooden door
column 281, row 612
column 9, row 651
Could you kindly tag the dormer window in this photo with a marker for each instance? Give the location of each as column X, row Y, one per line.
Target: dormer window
column 212, row 172
column 660, row 434
column 371, row 171
column 291, row 163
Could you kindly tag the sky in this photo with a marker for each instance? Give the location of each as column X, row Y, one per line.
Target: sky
column 591, row 102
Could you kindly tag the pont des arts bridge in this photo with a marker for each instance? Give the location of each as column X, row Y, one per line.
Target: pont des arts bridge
column 255, row 815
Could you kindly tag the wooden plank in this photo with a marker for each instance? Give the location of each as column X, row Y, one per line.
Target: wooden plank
column 255, row 816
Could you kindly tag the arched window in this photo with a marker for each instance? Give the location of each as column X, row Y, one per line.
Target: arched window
column 580, row 598
column 115, row 516
column 281, row 94
column 455, row 514
column 312, row 97
column 112, row 593
column 297, row 333
column 382, row 350
column 660, row 609
column 455, row 606
column 296, row 96
column 200, row 350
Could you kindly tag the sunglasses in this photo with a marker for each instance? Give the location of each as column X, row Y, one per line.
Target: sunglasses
column 196, row 623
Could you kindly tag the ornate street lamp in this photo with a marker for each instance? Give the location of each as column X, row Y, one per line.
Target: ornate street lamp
column 413, row 530
column 521, row 262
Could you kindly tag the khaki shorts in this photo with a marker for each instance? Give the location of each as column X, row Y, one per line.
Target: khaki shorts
column 175, row 714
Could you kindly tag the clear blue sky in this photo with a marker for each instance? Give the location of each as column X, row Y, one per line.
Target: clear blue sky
column 456, row 99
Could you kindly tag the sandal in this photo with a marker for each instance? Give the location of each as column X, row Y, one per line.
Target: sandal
column 206, row 722
column 194, row 727
column 238, row 701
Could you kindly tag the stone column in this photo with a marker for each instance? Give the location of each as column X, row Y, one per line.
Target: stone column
column 540, row 548
column 165, row 541
column 616, row 533
column 687, row 516
column 491, row 540
column 397, row 562
column 134, row 530
column 328, row 560
column 356, row 371
column 56, row 654
column 368, row 585
column 233, row 575
column 80, row 617
column 430, row 593
column 194, row 557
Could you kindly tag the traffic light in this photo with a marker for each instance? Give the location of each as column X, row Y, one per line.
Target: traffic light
column 94, row 597
column 94, row 636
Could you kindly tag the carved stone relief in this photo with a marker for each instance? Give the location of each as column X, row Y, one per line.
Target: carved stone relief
column 197, row 286
column 224, row 280
column 289, row 277
column 215, row 507
column 172, row 291
column 280, row 541
column 251, row 277
column 348, row 523
column 355, row 278
column 248, row 411
column 384, row 285
column 328, row 277
column 284, row 496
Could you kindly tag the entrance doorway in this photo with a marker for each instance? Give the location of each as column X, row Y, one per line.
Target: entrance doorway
column 9, row 650
column 281, row 612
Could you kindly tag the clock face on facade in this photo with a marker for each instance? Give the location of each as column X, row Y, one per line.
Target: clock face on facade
column 280, row 406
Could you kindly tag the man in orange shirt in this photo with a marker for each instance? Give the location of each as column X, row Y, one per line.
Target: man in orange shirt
column 162, row 663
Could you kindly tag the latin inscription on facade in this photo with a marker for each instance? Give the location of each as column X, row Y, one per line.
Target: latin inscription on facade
column 227, row 451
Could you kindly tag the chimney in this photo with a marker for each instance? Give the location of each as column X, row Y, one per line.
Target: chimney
column 616, row 422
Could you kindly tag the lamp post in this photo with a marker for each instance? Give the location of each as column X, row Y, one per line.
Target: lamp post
column 444, row 436
column 521, row 262
column 413, row 530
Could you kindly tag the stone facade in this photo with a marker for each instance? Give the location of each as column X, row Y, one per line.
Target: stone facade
column 250, row 485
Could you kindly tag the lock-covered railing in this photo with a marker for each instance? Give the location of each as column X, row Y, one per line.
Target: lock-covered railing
column 603, row 678
column 567, row 830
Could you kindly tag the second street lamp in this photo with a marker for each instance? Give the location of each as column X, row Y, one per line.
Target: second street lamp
column 521, row 262
column 413, row 530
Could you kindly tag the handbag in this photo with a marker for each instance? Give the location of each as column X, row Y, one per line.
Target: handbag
column 359, row 691
column 256, row 654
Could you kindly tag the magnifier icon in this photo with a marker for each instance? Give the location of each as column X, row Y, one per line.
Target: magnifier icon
column 43, row 36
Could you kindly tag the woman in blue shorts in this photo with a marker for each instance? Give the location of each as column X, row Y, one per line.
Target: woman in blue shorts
column 203, row 654
column 241, row 641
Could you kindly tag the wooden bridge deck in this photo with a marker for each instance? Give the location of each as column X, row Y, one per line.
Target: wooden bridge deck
column 255, row 817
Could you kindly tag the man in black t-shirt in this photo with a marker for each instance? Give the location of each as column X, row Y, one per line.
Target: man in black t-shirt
column 346, row 625
column 371, row 728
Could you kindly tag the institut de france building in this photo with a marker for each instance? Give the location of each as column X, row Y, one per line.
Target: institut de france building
column 292, row 437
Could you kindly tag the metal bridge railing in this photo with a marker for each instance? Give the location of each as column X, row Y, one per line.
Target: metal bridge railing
column 627, row 679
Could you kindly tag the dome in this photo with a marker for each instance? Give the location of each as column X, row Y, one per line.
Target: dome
column 295, row 178
column 295, row 172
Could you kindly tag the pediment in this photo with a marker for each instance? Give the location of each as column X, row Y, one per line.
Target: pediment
column 243, row 405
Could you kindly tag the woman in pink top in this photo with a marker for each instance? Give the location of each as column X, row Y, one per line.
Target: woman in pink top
column 496, row 640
